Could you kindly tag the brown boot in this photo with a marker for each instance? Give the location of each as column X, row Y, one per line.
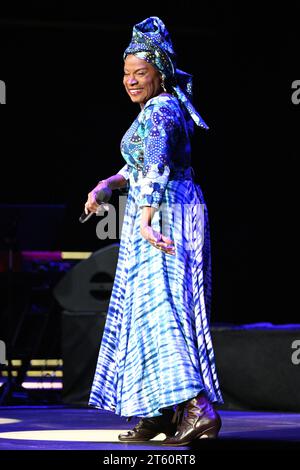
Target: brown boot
column 148, row 428
column 199, row 420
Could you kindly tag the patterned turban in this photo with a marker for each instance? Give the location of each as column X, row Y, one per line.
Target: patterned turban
column 152, row 43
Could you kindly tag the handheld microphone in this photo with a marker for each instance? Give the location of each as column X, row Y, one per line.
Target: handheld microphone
column 103, row 195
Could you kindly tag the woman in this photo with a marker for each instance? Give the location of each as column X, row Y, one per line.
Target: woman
column 156, row 354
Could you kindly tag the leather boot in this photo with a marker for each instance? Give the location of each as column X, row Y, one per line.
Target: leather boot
column 148, row 428
column 199, row 420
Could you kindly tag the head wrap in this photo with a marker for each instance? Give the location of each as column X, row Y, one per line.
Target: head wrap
column 152, row 43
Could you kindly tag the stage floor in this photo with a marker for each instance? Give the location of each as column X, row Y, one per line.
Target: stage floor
column 64, row 428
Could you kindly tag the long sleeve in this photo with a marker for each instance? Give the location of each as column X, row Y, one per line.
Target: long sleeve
column 124, row 172
column 159, row 142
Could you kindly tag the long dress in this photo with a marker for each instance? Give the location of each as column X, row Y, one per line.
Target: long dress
column 156, row 348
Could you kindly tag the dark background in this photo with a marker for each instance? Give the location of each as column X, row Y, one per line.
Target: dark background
column 67, row 111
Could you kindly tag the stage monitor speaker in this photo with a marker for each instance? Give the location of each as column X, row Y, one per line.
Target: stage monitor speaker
column 87, row 286
column 84, row 295
column 257, row 366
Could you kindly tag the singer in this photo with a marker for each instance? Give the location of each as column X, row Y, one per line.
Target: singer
column 156, row 359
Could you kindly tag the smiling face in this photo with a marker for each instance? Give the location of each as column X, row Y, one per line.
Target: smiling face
column 141, row 80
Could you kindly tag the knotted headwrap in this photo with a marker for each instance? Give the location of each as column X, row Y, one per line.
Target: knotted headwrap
column 152, row 43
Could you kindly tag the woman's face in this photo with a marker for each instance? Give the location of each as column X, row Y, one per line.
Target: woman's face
column 141, row 80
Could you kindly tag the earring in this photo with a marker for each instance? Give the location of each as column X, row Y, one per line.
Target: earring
column 163, row 85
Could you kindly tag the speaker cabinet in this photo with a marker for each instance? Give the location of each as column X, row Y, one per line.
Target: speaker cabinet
column 81, row 337
column 84, row 295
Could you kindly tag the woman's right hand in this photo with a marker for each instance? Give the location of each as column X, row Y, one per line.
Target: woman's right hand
column 91, row 205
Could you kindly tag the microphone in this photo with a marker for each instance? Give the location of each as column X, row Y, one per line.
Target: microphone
column 103, row 195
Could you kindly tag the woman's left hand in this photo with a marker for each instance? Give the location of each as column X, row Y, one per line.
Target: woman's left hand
column 158, row 240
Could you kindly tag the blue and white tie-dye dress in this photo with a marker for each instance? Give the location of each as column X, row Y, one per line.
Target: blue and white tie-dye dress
column 156, row 349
